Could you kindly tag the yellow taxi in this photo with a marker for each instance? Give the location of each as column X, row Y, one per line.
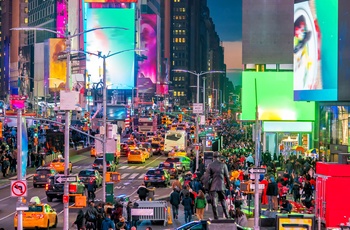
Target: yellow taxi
column 156, row 140
column 145, row 152
column 131, row 144
column 180, row 153
column 136, row 156
column 173, row 127
column 58, row 165
column 38, row 215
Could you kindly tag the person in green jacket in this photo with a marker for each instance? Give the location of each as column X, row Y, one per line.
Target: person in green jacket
column 200, row 204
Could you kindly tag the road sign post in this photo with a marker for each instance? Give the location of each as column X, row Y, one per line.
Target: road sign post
column 18, row 188
column 257, row 170
column 197, row 108
column 62, row 179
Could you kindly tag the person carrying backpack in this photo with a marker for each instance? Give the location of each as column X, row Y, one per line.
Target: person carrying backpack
column 107, row 223
column 91, row 216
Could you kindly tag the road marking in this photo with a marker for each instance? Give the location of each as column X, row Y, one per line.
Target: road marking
column 124, row 167
column 132, row 176
column 141, row 176
column 132, row 167
column 140, row 167
column 124, row 175
column 27, row 177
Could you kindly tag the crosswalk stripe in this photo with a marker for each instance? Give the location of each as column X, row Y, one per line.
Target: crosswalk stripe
column 132, row 167
column 132, row 176
column 140, row 167
column 28, row 176
column 124, row 175
column 124, row 167
column 141, row 176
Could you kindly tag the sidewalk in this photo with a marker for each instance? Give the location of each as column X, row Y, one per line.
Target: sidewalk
column 4, row 182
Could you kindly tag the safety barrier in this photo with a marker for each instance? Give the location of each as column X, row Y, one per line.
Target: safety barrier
column 151, row 210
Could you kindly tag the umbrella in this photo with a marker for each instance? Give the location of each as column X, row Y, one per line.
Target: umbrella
column 314, row 150
column 298, row 148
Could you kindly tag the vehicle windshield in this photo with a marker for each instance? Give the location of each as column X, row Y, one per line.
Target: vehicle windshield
column 34, row 208
column 166, row 165
column 172, row 160
column 86, row 173
column 130, row 143
column 135, row 152
column 155, row 145
column 174, row 136
column 43, row 171
column 98, row 161
column 58, row 160
column 155, row 172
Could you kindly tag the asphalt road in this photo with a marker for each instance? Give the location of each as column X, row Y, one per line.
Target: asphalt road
column 131, row 177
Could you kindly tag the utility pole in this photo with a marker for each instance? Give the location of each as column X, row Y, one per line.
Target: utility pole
column 257, row 152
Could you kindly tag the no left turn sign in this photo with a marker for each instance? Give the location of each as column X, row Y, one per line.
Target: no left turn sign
column 18, row 188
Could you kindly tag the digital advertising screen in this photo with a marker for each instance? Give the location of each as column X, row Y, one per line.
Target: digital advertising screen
column 315, row 50
column 147, row 78
column 274, row 98
column 119, row 67
column 55, row 67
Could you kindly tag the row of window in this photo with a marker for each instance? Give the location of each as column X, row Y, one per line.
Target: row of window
column 179, row 24
column 179, row 78
column 177, row 0
column 40, row 13
column 180, row 9
column 179, row 17
column 179, row 48
column 179, row 32
column 179, row 63
column 179, row 93
column 179, row 40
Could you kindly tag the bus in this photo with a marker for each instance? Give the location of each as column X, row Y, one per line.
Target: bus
column 175, row 139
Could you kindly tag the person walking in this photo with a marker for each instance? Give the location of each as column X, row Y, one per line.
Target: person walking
column 142, row 192
column 5, row 167
column 91, row 216
column 151, row 192
column 91, row 190
column 79, row 221
column 214, row 181
column 199, row 204
column 175, row 201
column 187, row 202
column 272, row 192
column 107, row 223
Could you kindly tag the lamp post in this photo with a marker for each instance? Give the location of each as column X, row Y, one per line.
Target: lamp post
column 197, row 125
column 68, row 38
column 104, row 105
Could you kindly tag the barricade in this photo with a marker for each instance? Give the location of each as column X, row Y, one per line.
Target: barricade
column 151, row 210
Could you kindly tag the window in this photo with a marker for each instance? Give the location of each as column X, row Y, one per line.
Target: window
column 26, row 10
column 26, row 20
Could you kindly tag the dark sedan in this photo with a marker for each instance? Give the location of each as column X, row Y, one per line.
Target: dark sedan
column 42, row 174
column 172, row 170
column 157, row 177
column 88, row 175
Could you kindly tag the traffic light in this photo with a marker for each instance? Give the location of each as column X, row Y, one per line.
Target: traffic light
column 193, row 128
column 180, row 117
column 36, row 137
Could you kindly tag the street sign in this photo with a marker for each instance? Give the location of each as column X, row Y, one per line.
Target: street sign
column 257, row 170
column 62, row 179
column 197, row 107
column 18, row 188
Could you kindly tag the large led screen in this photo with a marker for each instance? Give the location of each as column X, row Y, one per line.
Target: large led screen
column 274, row 97
column 147, row 78
column 315, row 50
column 267, row 32
column 55, row 64
column 119, row 67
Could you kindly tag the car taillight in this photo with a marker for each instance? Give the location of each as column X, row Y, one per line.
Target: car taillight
column 36, row 175
column 172, row 170
column 92, row 178
column 146, row 177
column 51, row 165
column 46, row 187
column 163, row 177
column 93, row 165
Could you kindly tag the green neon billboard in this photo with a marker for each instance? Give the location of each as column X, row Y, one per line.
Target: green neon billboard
column 274, row 97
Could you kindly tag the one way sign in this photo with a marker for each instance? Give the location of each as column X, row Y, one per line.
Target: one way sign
column 257, row 170
column 61, row 179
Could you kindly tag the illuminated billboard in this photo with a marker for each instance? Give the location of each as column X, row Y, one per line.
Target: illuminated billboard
column 316, row 50
column 109, row 1
column 274, row 97
column 55, row 65
column 62, row 18
column 147, row 78
column 119, row 67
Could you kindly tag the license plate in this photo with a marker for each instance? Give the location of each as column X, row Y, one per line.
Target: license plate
column 42, row 176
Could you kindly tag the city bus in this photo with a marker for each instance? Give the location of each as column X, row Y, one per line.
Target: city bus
column 175, row 139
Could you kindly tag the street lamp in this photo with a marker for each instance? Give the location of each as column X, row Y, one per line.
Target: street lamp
column 104, row 105
column 68, row 39
column 198, row 75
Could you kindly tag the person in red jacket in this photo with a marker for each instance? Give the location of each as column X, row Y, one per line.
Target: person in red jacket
column 264, row 196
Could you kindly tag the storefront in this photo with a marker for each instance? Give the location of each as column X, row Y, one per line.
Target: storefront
column 283, row 136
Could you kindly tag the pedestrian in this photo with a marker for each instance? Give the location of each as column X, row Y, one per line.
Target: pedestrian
column 5, row 166
column 107, row 223
column 241, row 218
column 175, row 201
column 91, row 216
column 128, row 213
column 91, row 190
column 214, row 181
column 13, row 165
column 142, row 192
column 79, row 221
column 272, row 192
column 151, row 192
column 135, row 219
column 187, row 202
column 200, row 204
column 121, row 224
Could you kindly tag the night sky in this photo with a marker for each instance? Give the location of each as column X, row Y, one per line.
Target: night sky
column 227, row 17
